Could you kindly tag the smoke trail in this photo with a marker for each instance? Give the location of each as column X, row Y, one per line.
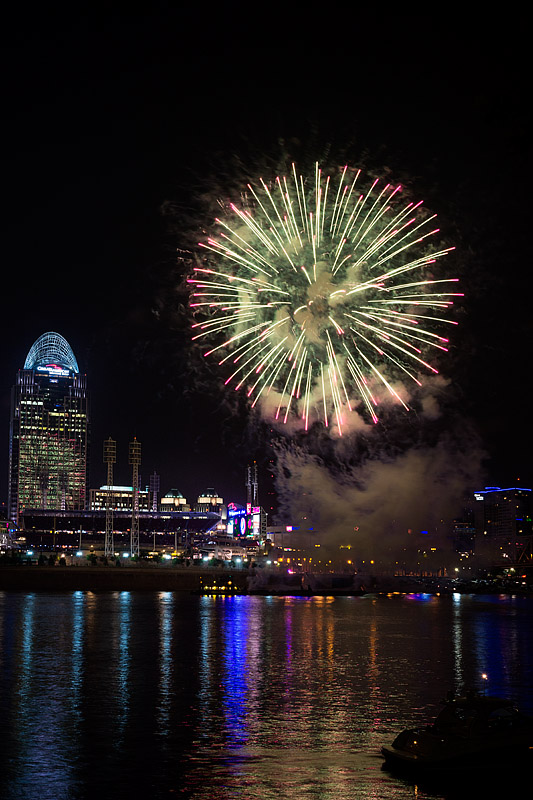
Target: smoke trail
column 379, row 488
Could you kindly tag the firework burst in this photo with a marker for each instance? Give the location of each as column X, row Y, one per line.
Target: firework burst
column 321, row 293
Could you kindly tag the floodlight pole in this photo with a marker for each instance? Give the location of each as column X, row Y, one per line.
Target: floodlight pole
column 135, row 460
column 110, row 457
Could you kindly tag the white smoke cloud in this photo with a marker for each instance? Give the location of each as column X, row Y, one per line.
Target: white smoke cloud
column 426, row 396
column 381, row 505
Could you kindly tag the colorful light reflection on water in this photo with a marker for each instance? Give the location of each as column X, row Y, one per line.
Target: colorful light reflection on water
column 159, row 694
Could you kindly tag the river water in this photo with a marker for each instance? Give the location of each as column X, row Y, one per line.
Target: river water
column 165, row 695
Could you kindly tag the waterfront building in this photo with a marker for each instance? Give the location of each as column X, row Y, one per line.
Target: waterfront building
column 121, row 498
column 210, row 501
column 503, row 525
column 463, row 537
column 174, row 501
column 48, row 430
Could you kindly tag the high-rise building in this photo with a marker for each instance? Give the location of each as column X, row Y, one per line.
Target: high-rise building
column 48, row 432
column 503, row 524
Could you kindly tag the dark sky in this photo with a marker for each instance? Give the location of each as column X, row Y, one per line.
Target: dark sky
column 107, row 118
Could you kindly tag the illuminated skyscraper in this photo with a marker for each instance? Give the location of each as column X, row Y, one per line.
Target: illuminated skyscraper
column 503, row 525
column 48, row 433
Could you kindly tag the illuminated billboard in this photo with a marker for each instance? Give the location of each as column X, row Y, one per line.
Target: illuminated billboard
column 249, row 521
column 55, row 370
column 238, row 520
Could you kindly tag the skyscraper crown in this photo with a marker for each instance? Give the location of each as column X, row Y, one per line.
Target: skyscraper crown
column 51, row 348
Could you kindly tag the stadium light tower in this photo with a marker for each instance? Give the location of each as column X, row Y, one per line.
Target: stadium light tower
column 135, row 460
column 155, row 485
column 252, row 485
column 110, row 458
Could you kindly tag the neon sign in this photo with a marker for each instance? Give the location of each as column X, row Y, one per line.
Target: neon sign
column 54, row 369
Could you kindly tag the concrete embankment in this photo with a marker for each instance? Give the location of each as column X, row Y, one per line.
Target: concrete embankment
column 185, row 579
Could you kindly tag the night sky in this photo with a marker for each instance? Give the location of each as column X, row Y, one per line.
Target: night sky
column 109, row 121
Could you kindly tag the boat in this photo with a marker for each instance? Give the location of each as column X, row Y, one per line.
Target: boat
column 218, row 585
column 473, row 732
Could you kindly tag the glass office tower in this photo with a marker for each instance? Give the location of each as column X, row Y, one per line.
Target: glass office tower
column 48, row 433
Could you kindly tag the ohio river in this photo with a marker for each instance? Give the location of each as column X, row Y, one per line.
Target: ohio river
column 162, row 695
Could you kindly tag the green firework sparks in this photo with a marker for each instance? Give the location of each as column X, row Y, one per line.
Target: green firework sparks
column 320, row 291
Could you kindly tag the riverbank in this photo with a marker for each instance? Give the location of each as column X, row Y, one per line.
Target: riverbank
column 219, row 580
column 95, row 578
column 160, row 577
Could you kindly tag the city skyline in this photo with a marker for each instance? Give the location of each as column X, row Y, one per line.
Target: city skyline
column 107, row 163
column 145, row 655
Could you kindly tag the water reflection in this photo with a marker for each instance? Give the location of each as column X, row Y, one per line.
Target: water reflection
column 499, row 628
column 457, row 638
column 78, row 624
column 43, row 719
column 373, row 678
column 165, row 681
column 150, row 694
column 241, row 681
column 123, row 658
